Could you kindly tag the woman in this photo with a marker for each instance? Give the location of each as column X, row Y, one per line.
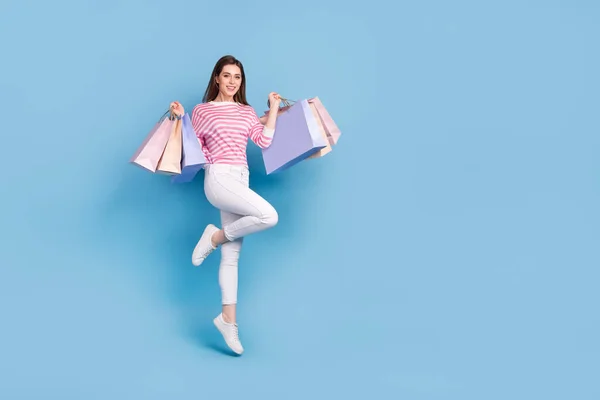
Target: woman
column 223, row 123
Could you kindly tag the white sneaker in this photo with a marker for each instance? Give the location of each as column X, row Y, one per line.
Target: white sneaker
column 204, row 246
column 230, row 334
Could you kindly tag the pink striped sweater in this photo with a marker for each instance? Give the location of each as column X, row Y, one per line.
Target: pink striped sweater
column 223, row 129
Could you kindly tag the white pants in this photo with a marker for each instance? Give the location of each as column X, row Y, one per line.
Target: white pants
column 243, row 212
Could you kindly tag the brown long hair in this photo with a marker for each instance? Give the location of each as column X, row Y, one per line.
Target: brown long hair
column 212, row 90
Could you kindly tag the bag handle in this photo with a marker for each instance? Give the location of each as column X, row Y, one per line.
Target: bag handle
column 286, row 102
column 170, row 115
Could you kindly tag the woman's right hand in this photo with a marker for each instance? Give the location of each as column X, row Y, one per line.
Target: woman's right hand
column 177, row 109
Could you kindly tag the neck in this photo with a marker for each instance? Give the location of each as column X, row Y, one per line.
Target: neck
column 221, row 97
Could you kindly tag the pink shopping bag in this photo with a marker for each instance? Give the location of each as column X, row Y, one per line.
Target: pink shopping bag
column 150, row 152
column 331, row 128
column 327, row 149
column 170, row 162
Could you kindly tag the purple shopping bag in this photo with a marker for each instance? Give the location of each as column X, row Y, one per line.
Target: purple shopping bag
column 149, row 153
column 297, row 136
column 193, row 158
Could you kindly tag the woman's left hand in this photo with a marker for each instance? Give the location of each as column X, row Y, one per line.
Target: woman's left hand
column 274, row 101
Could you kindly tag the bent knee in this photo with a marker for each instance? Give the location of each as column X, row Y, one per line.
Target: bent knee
column 270, row 218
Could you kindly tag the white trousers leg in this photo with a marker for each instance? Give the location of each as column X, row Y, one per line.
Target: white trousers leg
column 228, row 269
column 243, row 212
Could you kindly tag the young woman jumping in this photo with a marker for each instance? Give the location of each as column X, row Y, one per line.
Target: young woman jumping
column 223, row 123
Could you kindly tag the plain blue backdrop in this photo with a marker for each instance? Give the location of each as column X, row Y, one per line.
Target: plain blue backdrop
column 448, row 248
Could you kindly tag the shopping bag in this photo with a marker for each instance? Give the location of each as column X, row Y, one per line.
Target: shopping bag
column 152, row 148
column 193, row 158
column 297, row 137
column 170, row 162
column 325, row 150
column 327, row 126
column 331, row 129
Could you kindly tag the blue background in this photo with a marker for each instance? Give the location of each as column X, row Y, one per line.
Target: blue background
column 447, row 249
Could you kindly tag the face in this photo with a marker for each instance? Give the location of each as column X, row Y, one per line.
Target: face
column 229, row 80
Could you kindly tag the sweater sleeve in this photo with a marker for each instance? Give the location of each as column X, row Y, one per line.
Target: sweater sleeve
column 197, row 124
column 259, row 133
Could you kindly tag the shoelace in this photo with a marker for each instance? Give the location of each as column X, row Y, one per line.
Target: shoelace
column 235, row 333
column 206, row 252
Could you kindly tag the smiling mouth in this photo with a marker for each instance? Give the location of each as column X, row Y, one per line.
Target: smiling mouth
column 231, row 87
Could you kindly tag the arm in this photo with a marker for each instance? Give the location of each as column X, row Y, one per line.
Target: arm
column 272, row 117
column 263, row 135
